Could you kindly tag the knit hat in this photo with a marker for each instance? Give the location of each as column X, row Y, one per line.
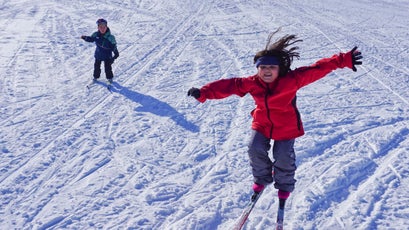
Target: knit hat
column 102, row 21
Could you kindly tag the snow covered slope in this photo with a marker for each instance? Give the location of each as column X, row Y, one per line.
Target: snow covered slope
column 148, row 157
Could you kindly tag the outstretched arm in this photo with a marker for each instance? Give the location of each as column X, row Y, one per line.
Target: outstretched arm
column 308, row 74
column 88, row 38
column 218, row 89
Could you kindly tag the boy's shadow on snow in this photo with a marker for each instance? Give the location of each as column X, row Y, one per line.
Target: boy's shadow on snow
column 155, row 106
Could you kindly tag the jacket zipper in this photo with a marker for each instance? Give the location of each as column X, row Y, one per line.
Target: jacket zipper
column 268, row 110
column 297, row 113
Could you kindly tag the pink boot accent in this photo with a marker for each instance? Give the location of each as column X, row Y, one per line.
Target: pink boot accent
column 258, row 187
column 283, row 194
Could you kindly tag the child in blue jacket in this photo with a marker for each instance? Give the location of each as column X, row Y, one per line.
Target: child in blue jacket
column 105, row 46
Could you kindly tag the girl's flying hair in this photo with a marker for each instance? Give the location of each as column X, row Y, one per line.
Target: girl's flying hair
column 281, row 49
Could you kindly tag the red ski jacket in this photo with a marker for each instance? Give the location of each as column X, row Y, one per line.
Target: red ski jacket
column 276, row 115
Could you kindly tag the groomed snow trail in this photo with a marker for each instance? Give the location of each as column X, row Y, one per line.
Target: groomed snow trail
column 148, row 157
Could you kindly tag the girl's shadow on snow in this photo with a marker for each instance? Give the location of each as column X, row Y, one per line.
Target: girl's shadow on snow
column 155, row 106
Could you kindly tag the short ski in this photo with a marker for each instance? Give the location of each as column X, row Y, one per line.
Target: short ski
column 92, row 83
column 246, row 212
column 280, row 215
column 108, row 85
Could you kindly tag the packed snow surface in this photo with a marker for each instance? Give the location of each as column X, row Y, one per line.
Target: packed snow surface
column 146, row 156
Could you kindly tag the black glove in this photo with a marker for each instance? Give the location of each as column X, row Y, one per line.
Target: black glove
column 116, row 55
column 356, row 56
column 83, row 37
column 194, row 92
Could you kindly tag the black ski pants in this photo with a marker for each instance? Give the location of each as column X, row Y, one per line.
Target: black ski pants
column 107, row 67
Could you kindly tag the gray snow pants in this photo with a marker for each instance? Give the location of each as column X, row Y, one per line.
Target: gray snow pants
column 262, row 166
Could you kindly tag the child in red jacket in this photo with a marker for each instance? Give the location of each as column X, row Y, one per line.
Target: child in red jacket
column 276, row 116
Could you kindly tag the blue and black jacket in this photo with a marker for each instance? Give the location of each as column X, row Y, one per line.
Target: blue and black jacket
column 106, row 45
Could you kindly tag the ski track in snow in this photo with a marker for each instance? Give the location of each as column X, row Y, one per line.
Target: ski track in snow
column 148, row 157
